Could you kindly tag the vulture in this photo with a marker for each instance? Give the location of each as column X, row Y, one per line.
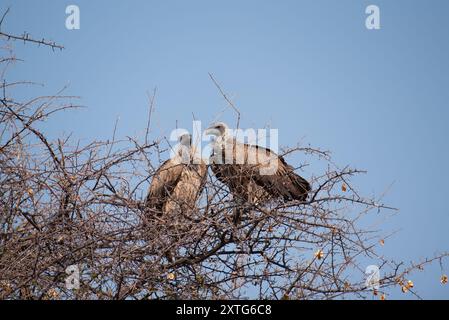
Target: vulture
column 178, row 182
column 252, row 173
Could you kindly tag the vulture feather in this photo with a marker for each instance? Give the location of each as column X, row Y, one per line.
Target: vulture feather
column 178, row 182
column 253, row 173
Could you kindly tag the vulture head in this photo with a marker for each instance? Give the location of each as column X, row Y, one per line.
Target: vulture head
column 221, row 134
column 218, row 129
column 183, row 151
column 185, row 140
column 187, row 151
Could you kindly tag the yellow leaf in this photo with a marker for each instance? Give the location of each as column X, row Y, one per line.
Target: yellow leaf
column 410, row 284
column 171, row 276
column 30, row 191
column 319, row 254
column 443, row 279
column 6, row 286
column 52, row 294
column 200, row 279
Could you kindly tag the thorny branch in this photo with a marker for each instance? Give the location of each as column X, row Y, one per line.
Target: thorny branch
column 63, row 203
column 26, row 37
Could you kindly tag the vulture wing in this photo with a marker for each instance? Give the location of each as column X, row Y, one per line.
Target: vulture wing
column 258, row 173
column 239, row 174
column 276, row 176
column 164, row 182
column 187, row 189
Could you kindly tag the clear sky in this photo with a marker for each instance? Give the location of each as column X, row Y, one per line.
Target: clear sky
column 377, row 98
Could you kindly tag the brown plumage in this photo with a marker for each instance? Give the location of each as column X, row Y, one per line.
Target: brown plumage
column 178, row 182
column 256, row 174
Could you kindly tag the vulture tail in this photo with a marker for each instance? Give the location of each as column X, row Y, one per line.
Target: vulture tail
column 301, row 187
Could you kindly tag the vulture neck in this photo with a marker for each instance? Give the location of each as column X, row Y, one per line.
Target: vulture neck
column 222, row 149
column 222, row 141
column 187, row 155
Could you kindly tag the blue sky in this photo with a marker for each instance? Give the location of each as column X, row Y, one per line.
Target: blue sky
column 377, row 98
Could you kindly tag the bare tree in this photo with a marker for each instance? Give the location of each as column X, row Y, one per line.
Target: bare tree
column 64, row 204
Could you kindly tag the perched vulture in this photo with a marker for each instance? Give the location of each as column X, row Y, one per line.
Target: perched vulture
column 178, row 182
column 253, row 173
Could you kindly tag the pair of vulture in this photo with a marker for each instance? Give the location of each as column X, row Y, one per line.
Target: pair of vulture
column 255, row 175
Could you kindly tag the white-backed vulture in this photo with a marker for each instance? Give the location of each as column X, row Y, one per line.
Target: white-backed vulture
column 178, row 182
column 253, row 173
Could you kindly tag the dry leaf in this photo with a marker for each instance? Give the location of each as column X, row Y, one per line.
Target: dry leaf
column 404, row 289
column 6, row 286
column 171, row 276
column 30, row 191
column 410, row 284
column 200, row 279
column 443, row 279
column 52, row 294
column 319, row 254
column 382, row 242
column 343, row 187
column 382, row 297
